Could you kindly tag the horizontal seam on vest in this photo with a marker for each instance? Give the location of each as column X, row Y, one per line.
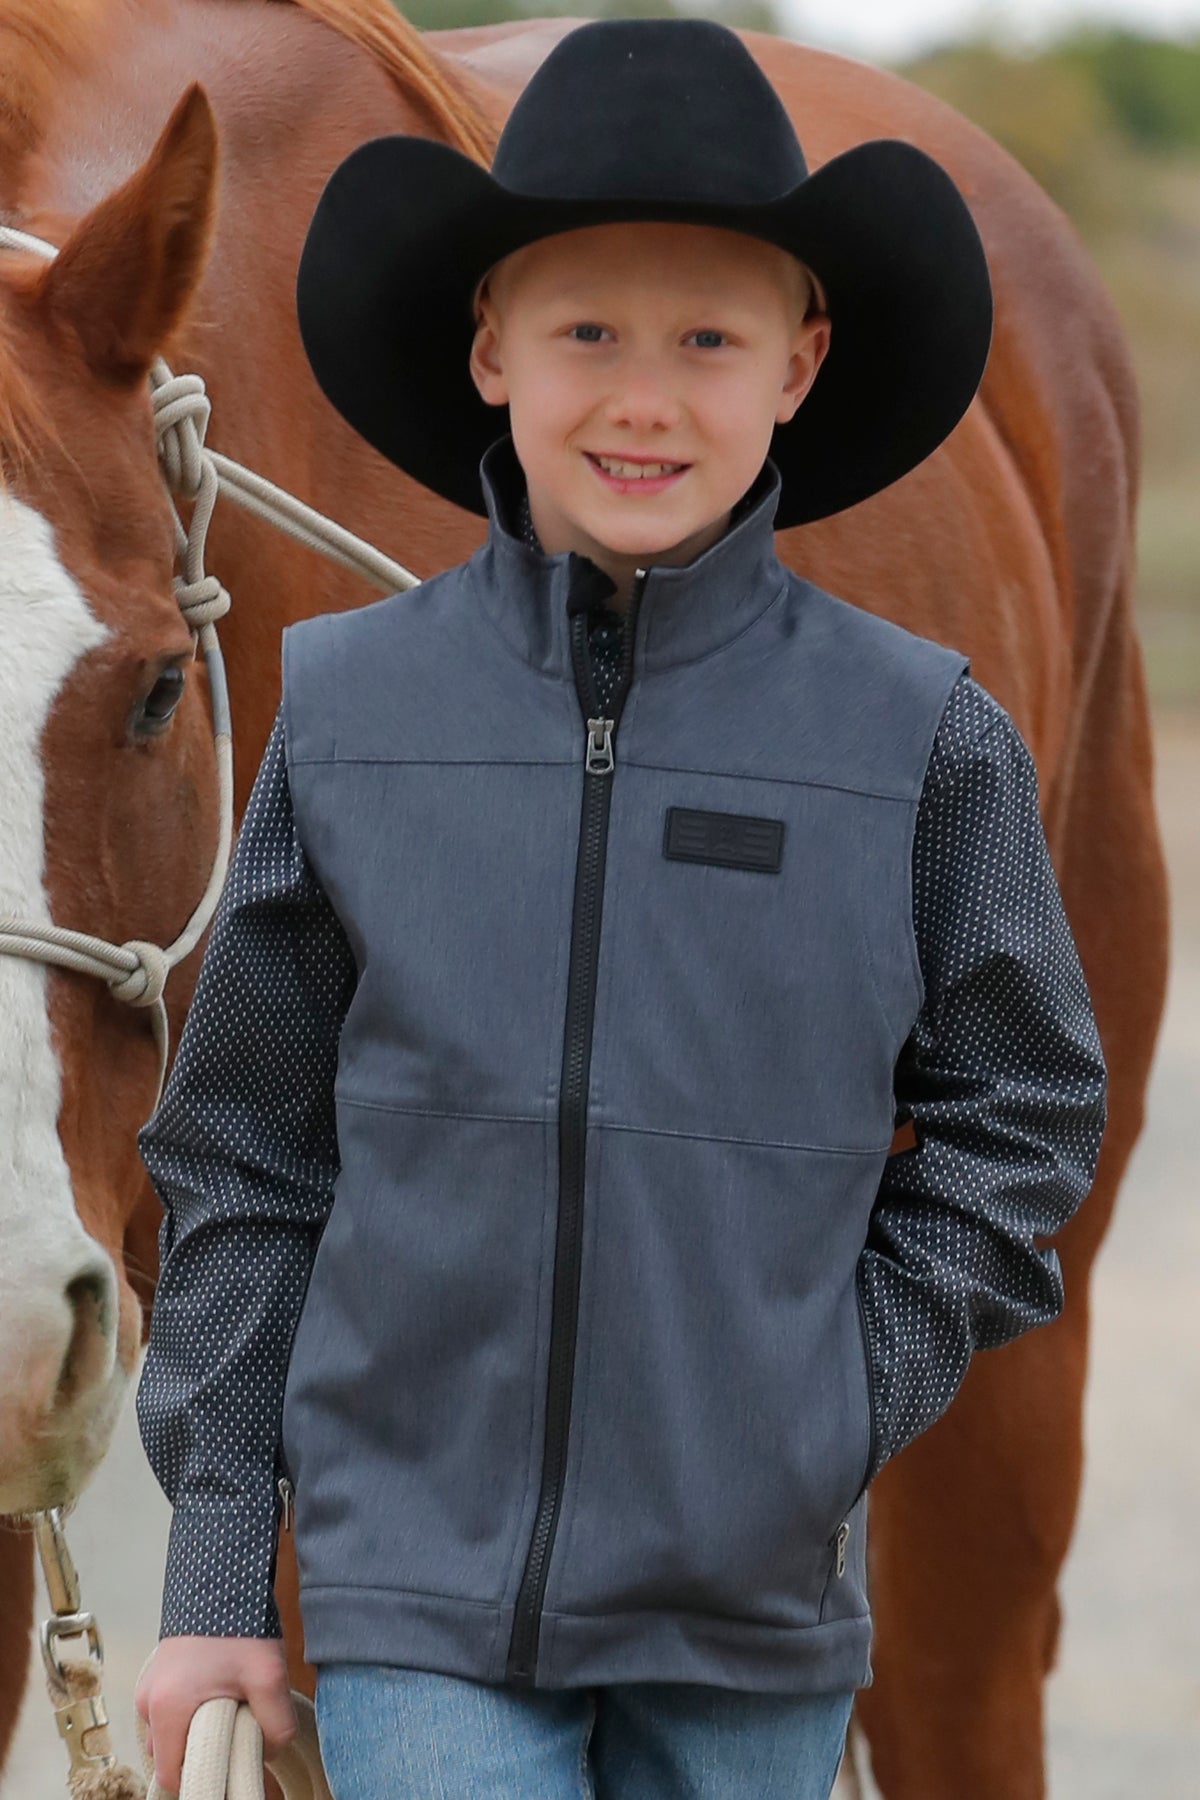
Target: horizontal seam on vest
column 439, row 1112
column 442, row 762
column 714, row 1137
column 717, row 1137
column 839, row 787
column 569, row 762
column 372, row 1587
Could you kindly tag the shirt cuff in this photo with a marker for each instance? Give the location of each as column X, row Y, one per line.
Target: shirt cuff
column 220, row 1572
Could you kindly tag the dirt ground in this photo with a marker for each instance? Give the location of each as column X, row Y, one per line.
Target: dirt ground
column 1124, row 1703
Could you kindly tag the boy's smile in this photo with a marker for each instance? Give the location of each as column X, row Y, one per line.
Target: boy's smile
column 667, row 348
column 626, row 473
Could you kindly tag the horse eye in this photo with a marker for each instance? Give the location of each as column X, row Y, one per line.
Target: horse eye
column 163, row 698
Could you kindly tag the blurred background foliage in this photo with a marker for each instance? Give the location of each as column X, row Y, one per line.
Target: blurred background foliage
column 441, row 15
column 1107, row 121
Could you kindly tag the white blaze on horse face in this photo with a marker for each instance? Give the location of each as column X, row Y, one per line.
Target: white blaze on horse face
column 46, row 625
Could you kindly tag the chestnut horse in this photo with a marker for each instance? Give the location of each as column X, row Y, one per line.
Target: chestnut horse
column 1012, row 543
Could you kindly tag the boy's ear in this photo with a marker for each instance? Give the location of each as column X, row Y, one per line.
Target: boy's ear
column 808, row 353
column 487, row 370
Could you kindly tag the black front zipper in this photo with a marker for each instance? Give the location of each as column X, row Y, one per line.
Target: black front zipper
column 572, row 1117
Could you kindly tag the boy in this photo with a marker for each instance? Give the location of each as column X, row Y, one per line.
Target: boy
column 596, row 903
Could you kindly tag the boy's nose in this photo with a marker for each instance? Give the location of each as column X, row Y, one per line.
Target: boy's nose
column 642, row 403
column 643, row 398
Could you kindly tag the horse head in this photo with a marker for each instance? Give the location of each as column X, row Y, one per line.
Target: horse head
column 108, row 789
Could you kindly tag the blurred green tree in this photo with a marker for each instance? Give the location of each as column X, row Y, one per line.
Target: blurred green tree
column 443, row 15
column 1150, row 85
column 1109, row 124
column 1045, row 110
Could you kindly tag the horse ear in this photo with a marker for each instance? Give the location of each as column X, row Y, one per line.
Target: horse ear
column 124, row 278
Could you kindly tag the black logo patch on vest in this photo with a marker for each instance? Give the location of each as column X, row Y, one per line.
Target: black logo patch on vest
column 739, row 840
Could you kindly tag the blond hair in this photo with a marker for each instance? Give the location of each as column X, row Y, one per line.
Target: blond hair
column 806, row 287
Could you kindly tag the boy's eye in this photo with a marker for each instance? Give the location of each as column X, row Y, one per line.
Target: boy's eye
column 704, row 333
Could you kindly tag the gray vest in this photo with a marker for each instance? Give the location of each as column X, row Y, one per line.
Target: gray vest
column 580, row 1391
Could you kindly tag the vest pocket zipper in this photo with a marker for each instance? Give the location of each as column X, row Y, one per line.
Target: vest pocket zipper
column 869, row 1367
column 841, row 1537
column 840, row 1540
column 285, row 1490
column 837, row 1568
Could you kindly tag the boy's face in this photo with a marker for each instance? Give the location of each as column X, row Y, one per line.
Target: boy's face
column 671, row 342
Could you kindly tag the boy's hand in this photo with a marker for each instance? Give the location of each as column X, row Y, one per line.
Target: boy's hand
column 186, row 1671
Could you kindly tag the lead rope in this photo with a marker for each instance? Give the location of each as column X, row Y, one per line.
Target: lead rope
column 223, row 1759
column 224, row 1756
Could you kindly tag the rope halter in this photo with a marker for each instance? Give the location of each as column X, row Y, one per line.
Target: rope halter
column 136, row 971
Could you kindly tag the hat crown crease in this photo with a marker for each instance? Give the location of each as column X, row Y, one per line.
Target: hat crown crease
column 562, row 142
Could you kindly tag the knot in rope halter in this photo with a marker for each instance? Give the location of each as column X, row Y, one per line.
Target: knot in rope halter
column 145, row 982
column 182, row 408
column 181, row 413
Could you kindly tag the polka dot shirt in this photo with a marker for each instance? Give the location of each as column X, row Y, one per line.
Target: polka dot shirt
column 606, row 625
column 1003, row 1060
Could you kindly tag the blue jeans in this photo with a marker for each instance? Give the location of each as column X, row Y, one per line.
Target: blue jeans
column 408, row 1734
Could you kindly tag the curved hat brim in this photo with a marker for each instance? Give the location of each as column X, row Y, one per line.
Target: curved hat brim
column 405, row 227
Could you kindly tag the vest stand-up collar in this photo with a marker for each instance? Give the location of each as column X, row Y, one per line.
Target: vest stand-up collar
column 685, row 611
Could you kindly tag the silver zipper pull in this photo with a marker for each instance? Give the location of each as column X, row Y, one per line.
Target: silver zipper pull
column 286, row 1492
column 599, row 746
column 843, row 1538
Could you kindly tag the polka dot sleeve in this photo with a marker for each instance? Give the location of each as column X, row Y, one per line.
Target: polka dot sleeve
column 242, row 1151
column 1002, row 1074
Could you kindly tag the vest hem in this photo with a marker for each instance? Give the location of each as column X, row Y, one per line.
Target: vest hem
column 406, row 1629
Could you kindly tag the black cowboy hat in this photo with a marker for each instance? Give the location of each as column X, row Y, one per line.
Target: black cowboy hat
column 667, row 119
